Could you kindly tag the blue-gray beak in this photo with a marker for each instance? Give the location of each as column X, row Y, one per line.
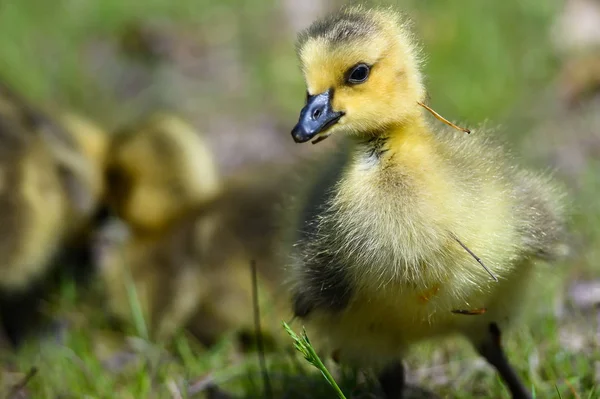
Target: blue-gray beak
column 316, row 117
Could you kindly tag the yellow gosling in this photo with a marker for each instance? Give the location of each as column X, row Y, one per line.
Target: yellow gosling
column 381, row 261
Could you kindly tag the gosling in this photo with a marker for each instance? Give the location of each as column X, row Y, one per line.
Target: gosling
column 383, row 258
column 184, row 236
column 50, row 186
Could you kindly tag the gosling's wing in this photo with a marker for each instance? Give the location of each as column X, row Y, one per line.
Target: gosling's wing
column 540, row 203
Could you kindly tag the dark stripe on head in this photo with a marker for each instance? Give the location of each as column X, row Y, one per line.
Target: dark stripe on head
column 339, row 28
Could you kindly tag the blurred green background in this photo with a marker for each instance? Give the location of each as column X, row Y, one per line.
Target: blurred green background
column 231, row 69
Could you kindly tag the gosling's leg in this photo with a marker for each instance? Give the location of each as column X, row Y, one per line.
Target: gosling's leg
column 491, row 350
column 392, row 380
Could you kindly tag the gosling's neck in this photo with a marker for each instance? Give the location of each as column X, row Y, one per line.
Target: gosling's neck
column 409, row 141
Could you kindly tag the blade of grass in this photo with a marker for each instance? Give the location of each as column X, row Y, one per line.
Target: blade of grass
column 268, row 391
column 557, row 391
column 136, row 308
column 303, row 345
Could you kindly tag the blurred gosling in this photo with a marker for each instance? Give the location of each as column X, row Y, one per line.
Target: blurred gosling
column 195, row 272
column 50, row 186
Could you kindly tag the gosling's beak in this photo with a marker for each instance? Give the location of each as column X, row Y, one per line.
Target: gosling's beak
column 316, row 117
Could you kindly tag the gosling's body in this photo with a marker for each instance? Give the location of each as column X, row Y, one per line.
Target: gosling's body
column 195, row 273
column 51, row 183
column 33, row 205
column 242, row 225
column 49, row 189
column 379, row 265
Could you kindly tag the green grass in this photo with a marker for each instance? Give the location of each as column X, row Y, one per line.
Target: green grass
column 74, row 368
column 486, row 61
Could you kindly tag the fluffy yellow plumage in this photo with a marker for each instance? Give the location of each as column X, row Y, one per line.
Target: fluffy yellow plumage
column 380, row 265
column 50, row 186
column 157, row 170
column 92, row 143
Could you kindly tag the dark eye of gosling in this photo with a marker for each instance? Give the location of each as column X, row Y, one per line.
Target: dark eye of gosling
column 358, row 74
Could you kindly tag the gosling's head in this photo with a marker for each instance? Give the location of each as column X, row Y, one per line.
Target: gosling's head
column 361, row 71
column 159, row 168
